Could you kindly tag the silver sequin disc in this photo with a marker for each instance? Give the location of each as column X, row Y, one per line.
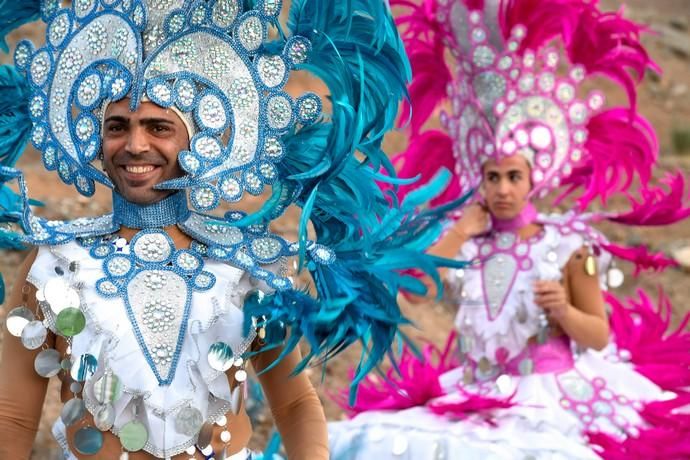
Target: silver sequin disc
column 17, row 320
column 72, row 411
column 220, row 356
column 504, row 384
column 400, row 445
column 104, row 418
column 188, row 421
column 34, row 334
column 615, row 278
column 107, row 388
column 60, row 295
column 47, row 363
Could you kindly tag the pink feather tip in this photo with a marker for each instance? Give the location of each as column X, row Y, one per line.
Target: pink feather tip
column 621, row 146
column 662, row 205
column 414, row 383
column 641, row 257
column 473, row 404
column 608, row 44
column 424, row 37
column 424, row 157
column 643, row 335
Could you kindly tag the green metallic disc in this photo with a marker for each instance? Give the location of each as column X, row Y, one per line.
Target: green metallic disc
column 133, row 436
column 70, row 322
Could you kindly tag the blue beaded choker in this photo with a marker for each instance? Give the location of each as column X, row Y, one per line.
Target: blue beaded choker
column 169, row 211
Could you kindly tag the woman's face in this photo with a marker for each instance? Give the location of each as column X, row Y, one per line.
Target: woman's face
column 506, row 185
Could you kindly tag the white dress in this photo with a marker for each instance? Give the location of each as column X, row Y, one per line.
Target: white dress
column 212, row 315
column 560, row 393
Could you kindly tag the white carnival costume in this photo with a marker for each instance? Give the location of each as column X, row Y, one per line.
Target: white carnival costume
column 508, row 391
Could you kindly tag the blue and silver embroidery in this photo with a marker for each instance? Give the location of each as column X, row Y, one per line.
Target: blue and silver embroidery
column 210, row 60
column 156, row 282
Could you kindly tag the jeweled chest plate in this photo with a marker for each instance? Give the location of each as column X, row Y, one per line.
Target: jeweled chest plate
column 156, row 283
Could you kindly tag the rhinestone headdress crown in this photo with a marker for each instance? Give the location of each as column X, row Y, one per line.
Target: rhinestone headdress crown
column 210, row 60
column 508, row 100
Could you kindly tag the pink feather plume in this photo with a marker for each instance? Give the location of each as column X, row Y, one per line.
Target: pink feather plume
column 641, row 257
column 644, row 331
column 606, row 43
column 423, row 37
column 666, row 436
column 662, row 205
column 414, row 383
column 473, row 404
column 424, row 157
column 544, row 20
column 619, row 148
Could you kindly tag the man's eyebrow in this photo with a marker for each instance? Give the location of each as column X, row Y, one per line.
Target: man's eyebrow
column 117, row 118
column 155, row 121
column 142, row 121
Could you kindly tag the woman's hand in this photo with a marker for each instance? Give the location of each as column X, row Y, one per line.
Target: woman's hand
column 551, row 296
column 474, row 221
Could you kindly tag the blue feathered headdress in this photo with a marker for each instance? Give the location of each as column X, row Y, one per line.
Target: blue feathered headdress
column 365, row 244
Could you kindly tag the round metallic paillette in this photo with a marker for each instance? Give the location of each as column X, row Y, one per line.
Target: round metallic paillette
column 84, row 367
column 72, row 411
column 107, row 388
column 104, row 418
column 88, row 441
column 17, row 320
column 70, row 322
column 60, row 295
column 615, row 277
column 189, row 421
column 47, row 363
column 220, row 356
column 133, row 436
column 34, row 334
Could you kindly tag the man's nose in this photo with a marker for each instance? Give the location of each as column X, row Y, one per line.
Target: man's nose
column 138, row 141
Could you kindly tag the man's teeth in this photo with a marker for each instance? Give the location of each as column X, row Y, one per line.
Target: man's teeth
column 139, row 169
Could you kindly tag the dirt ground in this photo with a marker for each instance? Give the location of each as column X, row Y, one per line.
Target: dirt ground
column 664, row 99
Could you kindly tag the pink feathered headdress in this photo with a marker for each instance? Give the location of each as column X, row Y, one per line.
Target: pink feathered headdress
column 509, row 75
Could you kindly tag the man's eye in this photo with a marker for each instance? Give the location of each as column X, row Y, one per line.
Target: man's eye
column 160, row 129
column 115, row 128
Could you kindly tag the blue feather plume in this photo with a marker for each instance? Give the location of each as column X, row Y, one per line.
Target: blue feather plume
column 15, row 13
column 15, row 122
column 15, row 129
column 335, row 164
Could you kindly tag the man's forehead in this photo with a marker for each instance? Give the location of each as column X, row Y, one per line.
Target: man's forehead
column 145, row 109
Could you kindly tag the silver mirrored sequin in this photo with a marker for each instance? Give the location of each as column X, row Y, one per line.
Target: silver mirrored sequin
column 17, row 319
column 47, row 363
column 72, row 411
column 34, row 335
column 188, row 421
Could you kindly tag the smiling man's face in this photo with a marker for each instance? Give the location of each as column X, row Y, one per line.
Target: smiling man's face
column 140, row 149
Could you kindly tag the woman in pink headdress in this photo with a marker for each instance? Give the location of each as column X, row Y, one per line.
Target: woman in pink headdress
column 536, row 368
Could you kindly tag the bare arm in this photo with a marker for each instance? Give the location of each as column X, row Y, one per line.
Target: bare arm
column 22, row 390
column 579, row 307
column 295, row 406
